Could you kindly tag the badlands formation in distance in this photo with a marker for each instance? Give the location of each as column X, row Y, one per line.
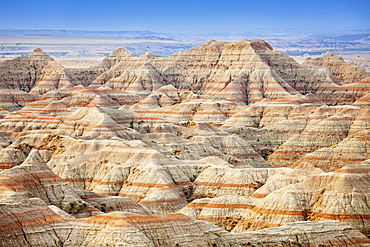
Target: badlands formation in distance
column 226, row 144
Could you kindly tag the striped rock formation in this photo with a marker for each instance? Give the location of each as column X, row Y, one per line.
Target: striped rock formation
column 129, row 169
column 224, row 211
column 117, row 168
column 228, row 203
column 363, row 102
column 362, row 62
column 344, row 72
column 350, row 151
column 37, row 73
column 27, row 220
column 284, row 177
column 236, row 134
column 14, row 99
column 31, row 222
column 341, row 195
column 243, row 71
column 217, row 181
column 29, row 217
column 23, row 72
column 108, row 167
column 33, row 180
column 128, row 229
column 326, row 127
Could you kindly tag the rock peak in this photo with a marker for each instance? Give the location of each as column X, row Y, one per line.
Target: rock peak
column 212, row 41
column 328, row 54
column 149, row 55
column 259, row 44
column 256, row 44
column 120, row 52
column 38, row 52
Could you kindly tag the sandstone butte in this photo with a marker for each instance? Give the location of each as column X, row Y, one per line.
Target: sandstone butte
column 227, row 144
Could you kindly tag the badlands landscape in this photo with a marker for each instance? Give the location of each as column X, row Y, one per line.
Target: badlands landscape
column 225, row 144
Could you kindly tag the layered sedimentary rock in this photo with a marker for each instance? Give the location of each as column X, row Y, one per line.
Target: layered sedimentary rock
column 33, row 180
column 347, row 73
column 243, row 71
column 23, row 72
column 216, row 181
column 224, row 211
column 226, row 203
column 363, row 102
column 31, row 195
column 37, row 73
column 125, row 145
column 128, row 229
column 14, row 99
column 351, row 150
column 326, row 127
column 285, row 177
column 362, row 62
column 30, row 222
column 340, row 195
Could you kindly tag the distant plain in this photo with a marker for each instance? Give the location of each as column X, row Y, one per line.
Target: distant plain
column 82, row 49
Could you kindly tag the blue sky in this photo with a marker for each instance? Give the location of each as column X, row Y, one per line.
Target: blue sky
column 179, row 16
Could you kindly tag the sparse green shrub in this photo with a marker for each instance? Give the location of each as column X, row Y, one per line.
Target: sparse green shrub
column 72, row 204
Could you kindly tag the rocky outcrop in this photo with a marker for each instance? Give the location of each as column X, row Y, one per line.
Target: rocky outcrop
column 362, row 62
column 23, row 72
column 233, row 134
column 31, row 198
column 340, row 195
column 217, row 181
column 344, row 72
column 325, row 128
column 33, row 179
column 224, row 211
column 15, row 99
column 352, row 150
column 127, row 229
column 37, row 73
column 285, row 177
column 242, row 72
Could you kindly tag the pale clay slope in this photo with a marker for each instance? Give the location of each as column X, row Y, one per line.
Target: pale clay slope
column 30, row 222
column 194, row 127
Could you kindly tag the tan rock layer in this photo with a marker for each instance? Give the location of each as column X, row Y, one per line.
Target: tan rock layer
column 338, row 195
